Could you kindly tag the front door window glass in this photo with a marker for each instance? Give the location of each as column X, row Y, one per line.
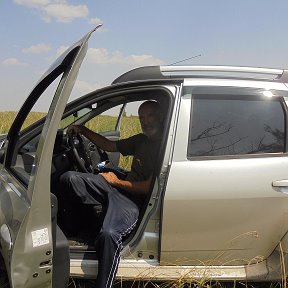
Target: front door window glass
column 23, row 160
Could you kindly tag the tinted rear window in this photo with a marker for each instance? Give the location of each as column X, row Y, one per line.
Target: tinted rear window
column 236, row 125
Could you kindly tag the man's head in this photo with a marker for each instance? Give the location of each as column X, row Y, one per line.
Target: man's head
column 151, row 119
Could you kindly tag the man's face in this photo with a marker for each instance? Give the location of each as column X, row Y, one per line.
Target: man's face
column 150, row 120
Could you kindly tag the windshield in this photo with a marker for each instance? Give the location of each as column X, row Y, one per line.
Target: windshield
column 74, row 117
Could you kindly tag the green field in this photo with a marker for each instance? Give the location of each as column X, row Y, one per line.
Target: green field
column 7, row 118
column 130, row 125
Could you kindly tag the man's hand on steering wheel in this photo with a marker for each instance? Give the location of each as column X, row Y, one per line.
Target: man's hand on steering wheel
column 83, row 162
column 74, row 129
column 80, row 154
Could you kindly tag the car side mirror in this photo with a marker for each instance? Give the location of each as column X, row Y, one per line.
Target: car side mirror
column 2, row 155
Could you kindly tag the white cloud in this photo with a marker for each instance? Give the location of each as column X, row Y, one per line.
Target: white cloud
column 37, row 49
column 60, row 10
column 95, row 21
column 102, row 56
column 13, row 62
column 64, row 12
column 142, row 60
column 32, row 3
column 83, row 87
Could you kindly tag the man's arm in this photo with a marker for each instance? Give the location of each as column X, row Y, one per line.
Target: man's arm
column 140, row 188
column 99, row 140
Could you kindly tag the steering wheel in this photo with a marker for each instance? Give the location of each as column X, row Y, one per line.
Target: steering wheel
column 82, row 159
column 80, row 153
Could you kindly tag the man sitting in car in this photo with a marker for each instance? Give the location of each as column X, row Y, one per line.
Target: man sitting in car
column 123, row 198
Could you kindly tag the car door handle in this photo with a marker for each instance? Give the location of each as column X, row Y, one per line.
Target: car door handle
column 280, row 183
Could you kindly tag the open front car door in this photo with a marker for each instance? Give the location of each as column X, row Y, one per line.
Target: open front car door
column 31, row 243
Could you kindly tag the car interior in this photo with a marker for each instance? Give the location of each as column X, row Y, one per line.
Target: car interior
column 113, row 116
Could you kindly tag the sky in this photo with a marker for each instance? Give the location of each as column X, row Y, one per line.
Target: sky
column 135, row 33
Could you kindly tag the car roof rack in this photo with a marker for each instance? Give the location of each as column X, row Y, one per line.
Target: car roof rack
column 181, row 72
column 279, row 75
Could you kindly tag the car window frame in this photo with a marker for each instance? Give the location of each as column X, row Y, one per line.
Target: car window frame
column 245, row 91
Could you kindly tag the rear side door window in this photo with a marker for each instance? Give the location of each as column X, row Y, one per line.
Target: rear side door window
column 234, row 122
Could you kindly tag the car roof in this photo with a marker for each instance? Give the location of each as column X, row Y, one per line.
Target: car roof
column 184, row 72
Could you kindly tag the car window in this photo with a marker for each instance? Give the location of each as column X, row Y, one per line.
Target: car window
column 41, row 107
column 24, row 155
column 106, row 121
column 126, row 123
column 233, row 124
column 74, row 117
column 130, row 126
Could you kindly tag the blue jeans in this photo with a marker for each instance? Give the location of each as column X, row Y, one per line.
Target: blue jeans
column 120, row 219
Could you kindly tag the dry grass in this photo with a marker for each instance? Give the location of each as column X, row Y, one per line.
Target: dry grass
column 177, row 284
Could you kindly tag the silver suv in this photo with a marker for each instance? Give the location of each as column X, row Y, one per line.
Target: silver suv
column 218, row 206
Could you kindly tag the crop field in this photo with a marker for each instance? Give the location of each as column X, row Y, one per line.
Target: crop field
column 7, row 118
column 130, row 125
